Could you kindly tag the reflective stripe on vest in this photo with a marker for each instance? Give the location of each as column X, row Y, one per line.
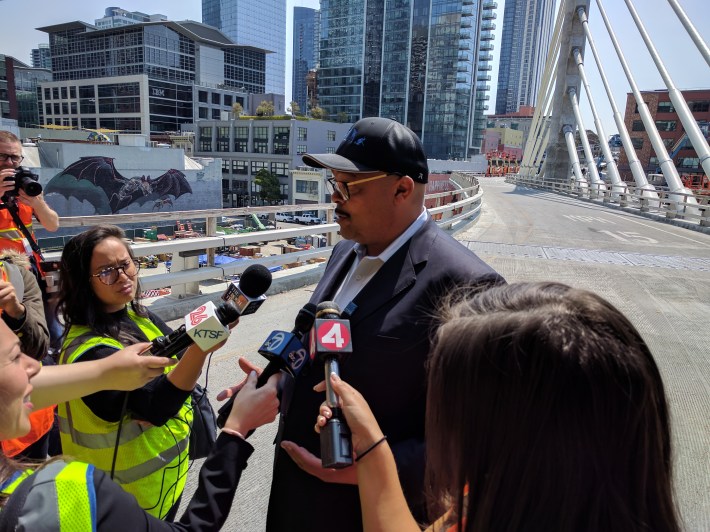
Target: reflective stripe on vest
column 152, row 461
column 62, row 498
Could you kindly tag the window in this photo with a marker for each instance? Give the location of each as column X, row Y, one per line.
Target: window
column 689, row 162
column 301, row 149
column 202, row 112
column 258, row 165
column 72, row 92
column 225, row 166
column 330, row 149
column 240, row 167
column 281, row 140
column 637, row 126
column 228, row 100
column 47, row 94
column 215, row 114
column 637, row 142
column 699, row 107
column 261, row 140
column 302, row 133
column 331, row 136
column 64, row 93
column 279, row 169
column 216, row 98
column 665, row 107
column 665, row 125
column 202, row 96
column 307, row 187
column 55, row 93
column 73, row 108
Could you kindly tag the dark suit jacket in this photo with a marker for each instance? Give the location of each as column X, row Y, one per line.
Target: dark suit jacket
column 391, row 332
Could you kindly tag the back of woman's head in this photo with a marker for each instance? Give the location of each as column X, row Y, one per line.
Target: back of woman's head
column 546, row 401
column 78, row 304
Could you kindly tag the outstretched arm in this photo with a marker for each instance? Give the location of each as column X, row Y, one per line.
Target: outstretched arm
column 124, row 370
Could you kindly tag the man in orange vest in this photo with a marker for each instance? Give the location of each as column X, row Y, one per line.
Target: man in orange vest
column 21, row 308
column 28, row 206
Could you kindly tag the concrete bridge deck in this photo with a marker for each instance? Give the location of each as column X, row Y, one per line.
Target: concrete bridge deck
column 657, row 274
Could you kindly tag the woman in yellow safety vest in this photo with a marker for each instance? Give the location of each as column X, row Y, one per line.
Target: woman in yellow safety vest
column 141, row 438
column 68, row 496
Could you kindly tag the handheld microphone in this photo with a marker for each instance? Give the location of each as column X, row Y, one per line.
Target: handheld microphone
column 205, row 326
column 248, row 293
column 332, row 340
column 284, row 351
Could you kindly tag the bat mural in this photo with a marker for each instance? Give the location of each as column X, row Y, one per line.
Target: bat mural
column 96, row 180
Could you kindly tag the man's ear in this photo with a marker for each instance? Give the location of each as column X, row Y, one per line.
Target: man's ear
column 405, row 187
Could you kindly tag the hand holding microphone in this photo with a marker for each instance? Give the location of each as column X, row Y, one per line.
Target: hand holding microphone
column 332, row 340
column 208, row 325
column 284, row 351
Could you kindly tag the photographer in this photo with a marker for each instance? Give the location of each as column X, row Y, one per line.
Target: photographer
column 10, row 234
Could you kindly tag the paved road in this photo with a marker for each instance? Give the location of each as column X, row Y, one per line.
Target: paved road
column 658, row 274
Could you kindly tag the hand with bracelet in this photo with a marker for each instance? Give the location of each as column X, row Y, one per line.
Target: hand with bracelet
column 383, row 504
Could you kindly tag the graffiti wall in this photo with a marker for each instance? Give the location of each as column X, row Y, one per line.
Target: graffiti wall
column 85, row 179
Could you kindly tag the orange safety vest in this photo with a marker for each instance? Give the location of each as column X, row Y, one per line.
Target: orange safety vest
column 10, row 235
column 40, row 423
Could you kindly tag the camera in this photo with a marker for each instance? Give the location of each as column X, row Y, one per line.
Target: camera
column 26, row 181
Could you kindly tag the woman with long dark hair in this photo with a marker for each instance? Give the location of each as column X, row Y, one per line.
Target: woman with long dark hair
column 63, row 494
column 140, row 438
column 545, row 411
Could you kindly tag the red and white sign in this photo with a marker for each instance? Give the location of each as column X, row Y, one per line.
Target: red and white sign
column 333, row 336
column 198, row 315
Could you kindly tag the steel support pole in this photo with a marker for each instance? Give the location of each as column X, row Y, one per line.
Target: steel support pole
column 568, row 132
column 597, row 183
column 617, row 184
column 697, row 39
column 692, row 129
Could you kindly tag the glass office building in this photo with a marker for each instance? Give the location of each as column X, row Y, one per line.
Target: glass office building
column 527, row 31
column 143, row 77
column 306, row 28
column 415, row 61
column 261, row 24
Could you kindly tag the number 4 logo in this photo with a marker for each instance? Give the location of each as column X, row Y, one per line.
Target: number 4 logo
column 333, row 335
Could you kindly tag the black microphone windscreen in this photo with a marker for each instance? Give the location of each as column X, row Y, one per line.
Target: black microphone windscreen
column 255, row 280
column 305, row 318
column 327, row 307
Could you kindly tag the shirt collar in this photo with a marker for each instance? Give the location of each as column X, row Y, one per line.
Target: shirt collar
column 361, row 250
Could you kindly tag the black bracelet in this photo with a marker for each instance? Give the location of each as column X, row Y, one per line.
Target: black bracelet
column 362, row 455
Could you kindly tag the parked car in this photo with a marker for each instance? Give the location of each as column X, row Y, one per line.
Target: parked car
column 284, row 217
column 307, row 218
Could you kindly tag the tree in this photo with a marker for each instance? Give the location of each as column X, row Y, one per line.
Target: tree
column 265, row 108
column 270, row 186
column 237, row 109
column 342, row 117
column 294, row 109
column 318, row 113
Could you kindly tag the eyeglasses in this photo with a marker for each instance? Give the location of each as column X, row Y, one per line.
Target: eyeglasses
column 110, row 275
column 16, row 159
column 341, row 187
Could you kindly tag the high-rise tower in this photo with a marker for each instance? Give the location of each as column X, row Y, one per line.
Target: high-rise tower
column 306, row 30
column 416, row 62
column 527, row 30
column 261, row 24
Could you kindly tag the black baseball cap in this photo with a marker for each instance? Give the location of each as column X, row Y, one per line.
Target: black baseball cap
column 376, row 144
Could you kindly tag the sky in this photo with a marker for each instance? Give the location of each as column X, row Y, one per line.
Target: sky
column 681, row 58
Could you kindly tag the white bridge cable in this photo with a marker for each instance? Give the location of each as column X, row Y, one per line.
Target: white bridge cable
column 690, row 28
column 634, row 164
column 597, row 183
column 664, row 161
column 581, row 181
column 537, row 140
column 695, row 136
column 611, row 170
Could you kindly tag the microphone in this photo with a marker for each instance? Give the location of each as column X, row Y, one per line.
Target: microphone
column 205, row 326
column 248, row 293
column 332, row 340
column 284, row 351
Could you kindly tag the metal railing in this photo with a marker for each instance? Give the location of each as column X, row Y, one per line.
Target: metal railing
column 186, row 272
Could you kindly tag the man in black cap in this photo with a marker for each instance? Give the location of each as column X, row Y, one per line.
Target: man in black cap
column 388, row 276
